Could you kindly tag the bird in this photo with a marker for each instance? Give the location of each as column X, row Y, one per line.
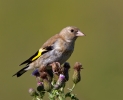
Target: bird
column 58, row 48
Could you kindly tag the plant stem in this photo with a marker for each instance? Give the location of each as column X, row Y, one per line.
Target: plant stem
column 72, row 87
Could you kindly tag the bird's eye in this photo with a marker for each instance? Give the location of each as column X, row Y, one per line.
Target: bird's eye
column 72, row 30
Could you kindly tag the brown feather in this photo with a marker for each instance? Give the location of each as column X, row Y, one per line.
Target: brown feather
column 50, row 41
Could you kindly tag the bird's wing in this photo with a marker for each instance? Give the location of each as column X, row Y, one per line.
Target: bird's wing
column 34, row 57
column 47, row 46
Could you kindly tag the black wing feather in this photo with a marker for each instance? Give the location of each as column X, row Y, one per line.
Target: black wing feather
column 28, row 61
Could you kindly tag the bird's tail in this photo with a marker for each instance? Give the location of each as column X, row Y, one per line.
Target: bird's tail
column 20, row 72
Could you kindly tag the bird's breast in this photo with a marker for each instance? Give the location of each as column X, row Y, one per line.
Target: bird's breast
column 63, row 52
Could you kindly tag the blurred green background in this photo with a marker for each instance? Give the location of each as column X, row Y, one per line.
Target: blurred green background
column 26, row 24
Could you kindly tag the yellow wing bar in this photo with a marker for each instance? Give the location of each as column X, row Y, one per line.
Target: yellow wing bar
column 39, row 54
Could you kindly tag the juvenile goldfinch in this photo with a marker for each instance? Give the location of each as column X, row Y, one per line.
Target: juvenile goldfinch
column 56, row 49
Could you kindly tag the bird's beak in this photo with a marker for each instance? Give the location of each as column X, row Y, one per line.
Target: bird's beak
column 79, row 33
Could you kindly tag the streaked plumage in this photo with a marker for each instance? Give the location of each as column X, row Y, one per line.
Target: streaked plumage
column 57, row 49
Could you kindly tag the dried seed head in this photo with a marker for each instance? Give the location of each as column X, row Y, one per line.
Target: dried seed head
column 55, row 67
column 42, row 69
column 76, row 74
column 78, row 66
column 43, row 75
column 56, row 70
column 46, row 75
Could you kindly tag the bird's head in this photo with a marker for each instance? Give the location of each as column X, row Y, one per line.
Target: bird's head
column 70, row 33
